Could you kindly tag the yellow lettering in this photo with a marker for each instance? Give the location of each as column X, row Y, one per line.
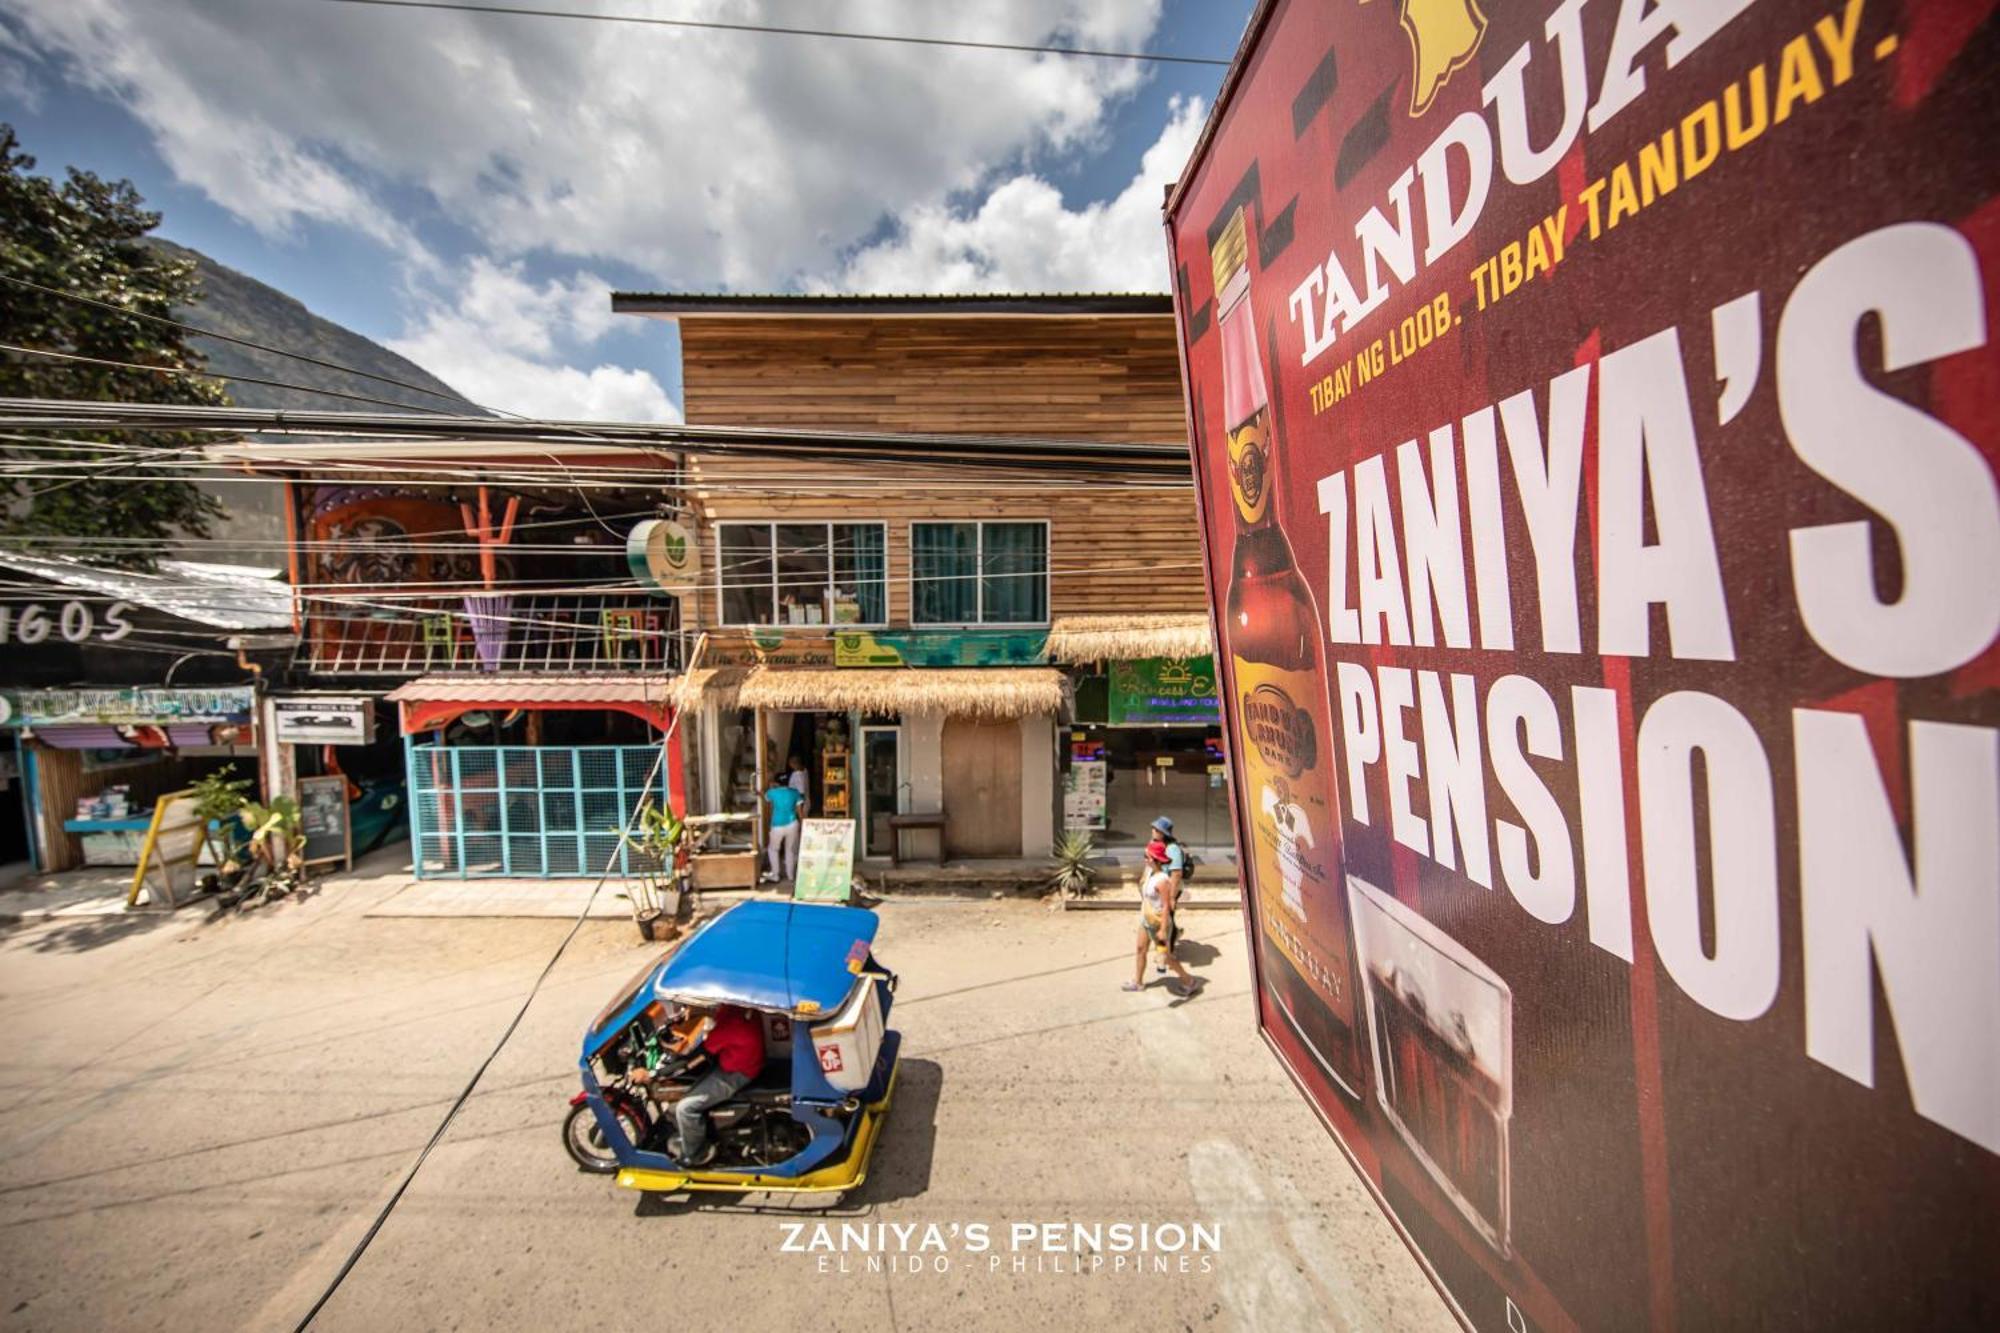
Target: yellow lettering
column 1538, row 254
column 1798, row 79
column 1589, row 197
column 1510, row 266
column 1624, row 196
column 1736, row 131
column 1702, row 123
column 1556, row 225
column 1658, row 172
column 1839, row 40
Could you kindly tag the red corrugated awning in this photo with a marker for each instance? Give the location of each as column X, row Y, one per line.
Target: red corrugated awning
column 430, row 700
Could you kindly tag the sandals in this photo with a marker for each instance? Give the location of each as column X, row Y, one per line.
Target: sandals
column 1131, row 986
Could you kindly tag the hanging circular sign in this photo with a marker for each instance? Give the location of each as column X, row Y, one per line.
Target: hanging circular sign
column 663, row 556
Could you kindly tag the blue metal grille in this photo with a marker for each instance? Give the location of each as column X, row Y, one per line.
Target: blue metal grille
column 530, row 812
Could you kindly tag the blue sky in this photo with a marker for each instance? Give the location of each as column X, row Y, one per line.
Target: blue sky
column 466, row 188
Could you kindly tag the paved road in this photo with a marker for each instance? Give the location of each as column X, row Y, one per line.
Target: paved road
column 197, row 1120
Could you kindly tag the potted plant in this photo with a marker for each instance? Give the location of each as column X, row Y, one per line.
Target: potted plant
column 654, row 841
column 1071, row 876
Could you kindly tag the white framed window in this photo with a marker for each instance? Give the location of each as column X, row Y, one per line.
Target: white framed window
column 802, row 574
column 976, row 572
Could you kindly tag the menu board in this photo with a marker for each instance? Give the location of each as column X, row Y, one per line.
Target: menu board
column 324, row 817
column 826, row 861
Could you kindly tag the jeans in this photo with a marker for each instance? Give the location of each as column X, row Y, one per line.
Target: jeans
column 784, row 851
column 691, row 1111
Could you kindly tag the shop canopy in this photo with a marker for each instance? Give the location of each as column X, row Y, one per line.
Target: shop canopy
column 962, row 692
column 431, row 701
column 1129, row 638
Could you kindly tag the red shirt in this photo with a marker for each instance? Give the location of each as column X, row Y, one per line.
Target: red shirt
column 736, row 1041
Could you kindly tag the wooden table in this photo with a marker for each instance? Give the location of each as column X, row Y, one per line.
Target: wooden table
column 898, row 823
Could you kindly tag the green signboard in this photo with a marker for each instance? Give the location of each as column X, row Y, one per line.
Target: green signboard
column 1154, row 691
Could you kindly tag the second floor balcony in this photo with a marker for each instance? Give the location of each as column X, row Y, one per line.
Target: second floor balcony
column 501, row 631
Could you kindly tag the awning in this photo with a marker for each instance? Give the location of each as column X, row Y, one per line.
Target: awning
column 428, row 701
column 1128, row 638
column 996, row 692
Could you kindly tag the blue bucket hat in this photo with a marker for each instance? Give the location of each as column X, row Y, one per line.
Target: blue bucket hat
column 1163, row 824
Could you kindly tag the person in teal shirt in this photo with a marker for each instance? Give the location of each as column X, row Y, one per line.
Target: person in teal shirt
column 782, row 848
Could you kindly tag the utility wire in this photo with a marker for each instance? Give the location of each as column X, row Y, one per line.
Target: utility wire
column 211, row 375
column 1145, row 57
column 240, row 342
column 437, row 1136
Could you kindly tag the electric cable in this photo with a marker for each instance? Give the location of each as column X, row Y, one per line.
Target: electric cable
column 211, row 375
column 774, row 30
column 437, row 1136
column 458, row 399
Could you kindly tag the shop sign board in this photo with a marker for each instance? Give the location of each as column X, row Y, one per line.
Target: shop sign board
column 826, row 861
column 315, row 719
column 126, row 707
column 325, row 820
column 1156, row 691
column 1595, row 419
column 664, row 556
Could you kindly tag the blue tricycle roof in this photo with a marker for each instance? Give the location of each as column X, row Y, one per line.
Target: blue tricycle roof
column 767, row 955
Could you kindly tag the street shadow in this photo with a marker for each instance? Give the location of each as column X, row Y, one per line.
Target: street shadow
column 85, row 933
column 900, row 1168
column 1195, row 953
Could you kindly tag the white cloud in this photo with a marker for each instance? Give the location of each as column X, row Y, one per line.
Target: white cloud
column 707, row 159
column 508, row 343
column 1023, row 239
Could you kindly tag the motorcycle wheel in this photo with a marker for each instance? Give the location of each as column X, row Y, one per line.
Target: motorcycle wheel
column 584, row 1139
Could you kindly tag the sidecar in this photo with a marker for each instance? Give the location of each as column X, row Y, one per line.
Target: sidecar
column 809, row 1122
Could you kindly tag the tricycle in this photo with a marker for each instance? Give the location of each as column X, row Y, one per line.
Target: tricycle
column 808, row 1119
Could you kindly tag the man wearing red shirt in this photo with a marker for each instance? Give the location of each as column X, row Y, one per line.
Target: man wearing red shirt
column 736, row 1044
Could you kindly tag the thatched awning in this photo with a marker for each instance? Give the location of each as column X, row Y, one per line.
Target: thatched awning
column 999, row 692
column 1127, row 638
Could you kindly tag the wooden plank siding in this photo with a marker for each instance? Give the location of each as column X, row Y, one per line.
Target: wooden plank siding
column 1091, row 379
column 1111, row 549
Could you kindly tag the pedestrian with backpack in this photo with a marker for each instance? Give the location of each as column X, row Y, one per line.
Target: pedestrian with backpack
column 1158, row 895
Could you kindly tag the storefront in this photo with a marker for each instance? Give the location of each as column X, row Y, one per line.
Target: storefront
column 1145, row 738
column 534, row 776
column 125, row 685
column 93, row 761
column 872, row 743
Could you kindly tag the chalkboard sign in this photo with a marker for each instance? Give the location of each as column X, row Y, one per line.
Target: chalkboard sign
column 323, row 814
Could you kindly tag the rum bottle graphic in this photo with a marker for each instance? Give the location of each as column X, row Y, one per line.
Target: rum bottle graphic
column 1283, row 730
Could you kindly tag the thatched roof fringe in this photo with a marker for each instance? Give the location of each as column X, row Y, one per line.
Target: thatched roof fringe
column 996, row 693
column 1126, row 638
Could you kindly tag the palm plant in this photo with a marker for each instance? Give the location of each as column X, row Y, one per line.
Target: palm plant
column 1071, row 876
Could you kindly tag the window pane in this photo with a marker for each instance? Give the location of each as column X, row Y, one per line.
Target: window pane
column 944, row 573
column 746, row 574
column 1016, row 573
column 802, row 573
column 859, row 574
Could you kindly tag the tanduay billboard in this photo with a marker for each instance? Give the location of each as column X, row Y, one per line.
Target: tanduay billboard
column 1594, row 411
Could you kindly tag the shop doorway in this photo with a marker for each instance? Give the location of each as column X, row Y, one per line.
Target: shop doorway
column 882, row 785
column 982, row 788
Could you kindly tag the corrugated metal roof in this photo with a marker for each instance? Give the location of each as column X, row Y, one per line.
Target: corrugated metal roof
column 1086, row 305
column 223, row 596
column 502, row 687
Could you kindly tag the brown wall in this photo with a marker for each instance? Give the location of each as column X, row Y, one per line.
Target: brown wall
column 1112, row 549
column 1097, row 379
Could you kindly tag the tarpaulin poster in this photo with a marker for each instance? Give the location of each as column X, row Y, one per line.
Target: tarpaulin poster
column 1595, row 413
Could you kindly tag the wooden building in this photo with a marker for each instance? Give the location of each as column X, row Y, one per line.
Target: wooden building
column 889, row 623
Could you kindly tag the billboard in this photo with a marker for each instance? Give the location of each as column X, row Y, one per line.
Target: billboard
column 1595, row 415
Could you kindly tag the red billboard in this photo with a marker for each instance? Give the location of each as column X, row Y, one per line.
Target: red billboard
column 1595, row 417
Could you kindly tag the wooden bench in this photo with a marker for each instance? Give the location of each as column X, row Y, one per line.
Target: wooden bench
column 898, row 823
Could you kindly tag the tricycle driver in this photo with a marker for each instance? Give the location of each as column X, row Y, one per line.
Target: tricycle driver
column 734, row 1041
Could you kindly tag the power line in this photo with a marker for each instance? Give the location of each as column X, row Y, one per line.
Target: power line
column 209, row 375
column 240, row 342
column 1146, row 57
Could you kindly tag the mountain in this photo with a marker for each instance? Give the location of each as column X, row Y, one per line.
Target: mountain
column 238, row 305
column 242, row 307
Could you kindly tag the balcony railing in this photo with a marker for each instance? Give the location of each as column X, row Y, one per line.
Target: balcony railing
column 545, row 632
